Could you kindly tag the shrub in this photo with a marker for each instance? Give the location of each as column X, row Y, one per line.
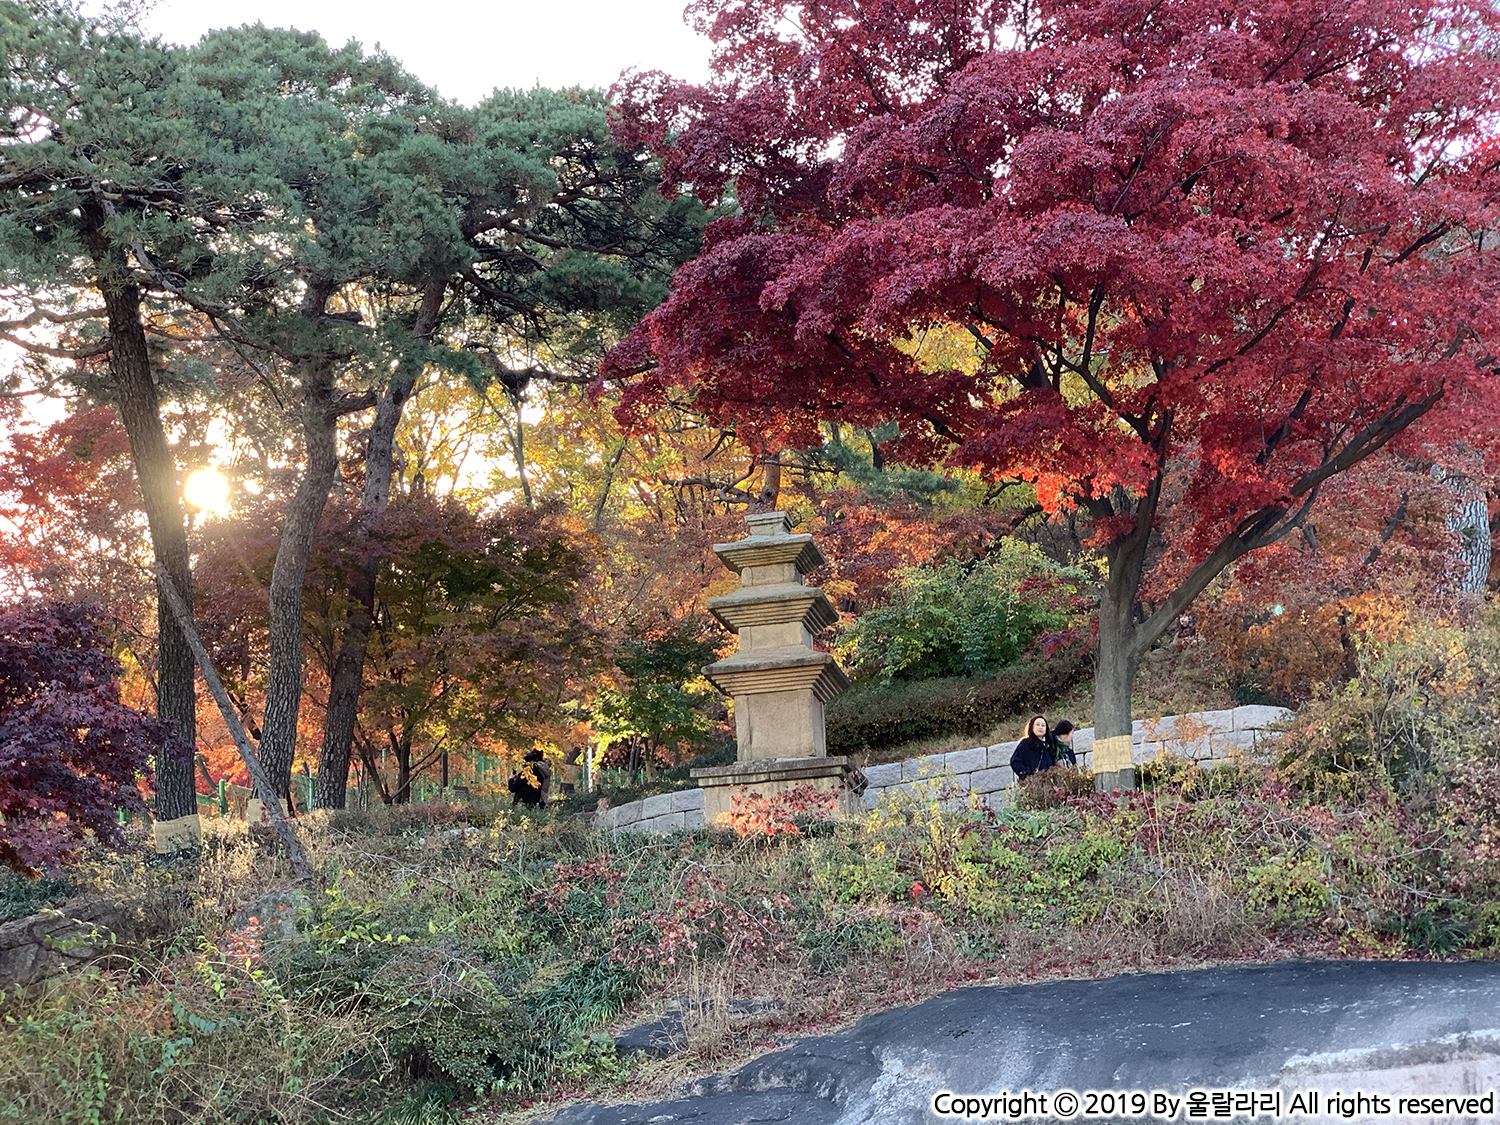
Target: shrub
column 1418, row 710
column 964, row 618
column 206, row 1038
column 20, row 896
column 875, row 715
column 795, row 811
column 1047, row 789
column 70, row 751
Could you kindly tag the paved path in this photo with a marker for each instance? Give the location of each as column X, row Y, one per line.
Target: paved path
column 1406, row 1027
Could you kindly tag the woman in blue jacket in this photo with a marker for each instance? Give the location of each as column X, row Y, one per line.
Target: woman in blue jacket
column 1034, row 752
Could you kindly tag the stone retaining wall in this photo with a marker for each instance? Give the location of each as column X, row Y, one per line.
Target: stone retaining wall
column 1204, row 736
column 666, row 812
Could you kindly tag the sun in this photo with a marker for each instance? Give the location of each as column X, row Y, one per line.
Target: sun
column 208, row 491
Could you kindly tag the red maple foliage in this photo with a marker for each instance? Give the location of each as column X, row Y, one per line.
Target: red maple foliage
column 1217, row 253
column 68, row 499
column 70, row 751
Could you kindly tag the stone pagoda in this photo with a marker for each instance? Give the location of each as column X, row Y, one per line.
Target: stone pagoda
column 778, row 681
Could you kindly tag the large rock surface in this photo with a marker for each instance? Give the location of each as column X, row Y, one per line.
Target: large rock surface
column 1402, row 1027
column 43, row 945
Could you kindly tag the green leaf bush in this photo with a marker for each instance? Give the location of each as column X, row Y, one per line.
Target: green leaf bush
column 875, row 715
column 964, row 618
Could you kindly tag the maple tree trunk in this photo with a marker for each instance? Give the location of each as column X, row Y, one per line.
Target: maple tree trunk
column 156, row 472
column 349, row 663
column 1122, row 642
column 770, row 489
column 284, row 676
column 1114, row 678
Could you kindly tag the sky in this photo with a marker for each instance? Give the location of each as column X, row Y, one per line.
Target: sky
column 466, row 48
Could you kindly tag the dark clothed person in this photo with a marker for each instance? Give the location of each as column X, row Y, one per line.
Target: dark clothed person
column 1032, row 754
column 1062, row 743
column 1036, row 750
column 529, row 786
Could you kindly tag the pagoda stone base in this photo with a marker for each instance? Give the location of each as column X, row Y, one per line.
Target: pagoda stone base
column 765, row 778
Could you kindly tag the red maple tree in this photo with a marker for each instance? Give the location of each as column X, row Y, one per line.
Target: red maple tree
column 1217, row 253
column 70, row 751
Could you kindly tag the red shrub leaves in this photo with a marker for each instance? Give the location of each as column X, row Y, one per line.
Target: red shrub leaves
column 70, row 751
column 756, row 816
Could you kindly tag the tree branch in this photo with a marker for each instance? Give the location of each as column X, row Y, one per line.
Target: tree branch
column 263, row 787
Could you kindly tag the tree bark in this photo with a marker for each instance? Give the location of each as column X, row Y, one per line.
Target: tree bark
column 1120, row 649
column 1124, row 639
column 156, row 472
column 253, row 764
column 770, row 490
column 349, row 664
column 284, row 675
column 402, row 748
column 1470, row 522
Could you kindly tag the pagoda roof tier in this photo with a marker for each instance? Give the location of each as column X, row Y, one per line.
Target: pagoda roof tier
column 778, row 604
column 789, row 668
column 771, row 550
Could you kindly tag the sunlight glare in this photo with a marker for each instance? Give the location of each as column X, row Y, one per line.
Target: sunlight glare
column 208, row 491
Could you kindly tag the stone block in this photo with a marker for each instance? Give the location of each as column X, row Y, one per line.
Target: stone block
column 991, row 780
column 1219, row 721
column 1266, row 739
column 722, row 784
column 870, row 798
column 1152, row 730
column 657, row 805
column 670, row 822
column 1258, row 717
column 627, row 814
column 1230, row 743
column 915, row 769
column 693, row 818
column 1198, row 750
column 779, row 724
column 687, row 800
column 965, row 761
column 1083, row 740
column 999, row 754
column 878, row 777
column 999, row 799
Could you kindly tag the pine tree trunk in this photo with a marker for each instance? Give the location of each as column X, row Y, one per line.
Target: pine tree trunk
column 349, row 663
column 156, row 472
column 284, row 678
